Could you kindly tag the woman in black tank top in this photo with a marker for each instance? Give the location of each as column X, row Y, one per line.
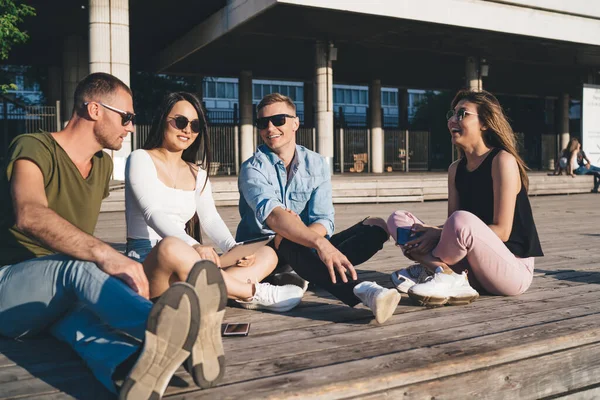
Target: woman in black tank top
column 490, row 231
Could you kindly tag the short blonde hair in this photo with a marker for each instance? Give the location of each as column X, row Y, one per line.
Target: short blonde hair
column 275, row 98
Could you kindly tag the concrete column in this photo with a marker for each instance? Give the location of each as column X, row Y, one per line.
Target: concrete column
column 75, row 68
column 246, row 128
column 402, row 108
column 309, row 104
column 200, row 88
column 377, row 144
column 109, row 52
column 473, row 79
column 100, row 36
column 563, row 120
column 324, row 102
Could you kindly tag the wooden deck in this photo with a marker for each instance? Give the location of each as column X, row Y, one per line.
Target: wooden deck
column 542, row 344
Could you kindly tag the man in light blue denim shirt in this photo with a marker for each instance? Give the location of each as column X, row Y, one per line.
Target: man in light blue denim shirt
column 285, row 189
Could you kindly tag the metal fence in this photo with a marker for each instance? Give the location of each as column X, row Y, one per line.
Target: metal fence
column 351, row 153
column 222, row 146
column 351, row 144
column 395, row 149
column 16, row 119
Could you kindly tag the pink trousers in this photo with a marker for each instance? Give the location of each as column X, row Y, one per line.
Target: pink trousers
column 468, row 243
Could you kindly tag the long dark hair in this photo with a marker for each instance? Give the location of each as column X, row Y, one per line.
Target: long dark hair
column 499, row 133
column 199, row 150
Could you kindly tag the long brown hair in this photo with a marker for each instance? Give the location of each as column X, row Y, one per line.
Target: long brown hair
column 572, row 147
column 499, row 132
column 199, row 150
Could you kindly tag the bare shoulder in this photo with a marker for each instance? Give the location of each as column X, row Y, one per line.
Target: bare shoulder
column 505, row 167
column 505, row 160
column 452, row 168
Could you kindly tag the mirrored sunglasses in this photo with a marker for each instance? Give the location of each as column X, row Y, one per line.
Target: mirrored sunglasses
column 460, row 114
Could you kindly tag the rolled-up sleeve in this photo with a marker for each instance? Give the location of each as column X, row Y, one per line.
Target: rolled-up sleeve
column 320, row 205
column 260, row 195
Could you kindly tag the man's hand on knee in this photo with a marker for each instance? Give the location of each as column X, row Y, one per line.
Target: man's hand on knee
column 334, row 260
column 129, row 271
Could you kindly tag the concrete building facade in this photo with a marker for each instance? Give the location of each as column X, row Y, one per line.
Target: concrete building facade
column 544, row 49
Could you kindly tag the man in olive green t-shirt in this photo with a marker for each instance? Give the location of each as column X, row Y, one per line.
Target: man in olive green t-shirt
column 56, row 277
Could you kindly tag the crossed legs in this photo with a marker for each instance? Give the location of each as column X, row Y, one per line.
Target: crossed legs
column 172, row 259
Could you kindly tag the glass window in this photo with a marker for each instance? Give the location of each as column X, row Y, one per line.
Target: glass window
column 229, row 90
column 257, row 93
column 347, row 96
column 235, row 91
column 355, row 96
column 284, row 90
column 292, row 92
column 300, row 93
column 211, row 91
column 384, row 99
column 220, row 90
column 275, row 89
column 394, row 98
column 363, row 97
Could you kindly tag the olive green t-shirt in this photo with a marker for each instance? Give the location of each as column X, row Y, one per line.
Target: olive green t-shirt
column 71, row 196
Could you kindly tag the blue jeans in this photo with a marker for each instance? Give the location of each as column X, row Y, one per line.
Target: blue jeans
column 582, row 170
column 99, row 316
column 138, row 249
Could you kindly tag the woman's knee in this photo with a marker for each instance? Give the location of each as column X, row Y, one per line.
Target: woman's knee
column 399, row 219
column 462, row 219
column 379, row 222
column 172, row 252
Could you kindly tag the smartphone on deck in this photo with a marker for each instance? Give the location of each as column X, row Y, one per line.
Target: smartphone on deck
column 236, row 329
column 404, row 235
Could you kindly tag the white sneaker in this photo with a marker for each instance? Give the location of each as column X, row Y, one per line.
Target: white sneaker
column 443, row 288
column 380, row 300
column 289, row 278
column 405, row 278
column 273, row 298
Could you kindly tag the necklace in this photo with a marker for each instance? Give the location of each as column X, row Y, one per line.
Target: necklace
column 174, row 180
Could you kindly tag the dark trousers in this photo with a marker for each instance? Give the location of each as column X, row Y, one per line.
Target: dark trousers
column 358, row 243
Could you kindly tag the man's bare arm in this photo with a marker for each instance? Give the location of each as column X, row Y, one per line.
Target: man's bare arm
column 34, row 218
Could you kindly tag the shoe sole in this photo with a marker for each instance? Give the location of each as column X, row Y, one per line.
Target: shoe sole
column 463, row 300
column 171, row 330
column 207, row 361
column 428, row 301
column 432, row 301
column 387, row 306
column 278, row 309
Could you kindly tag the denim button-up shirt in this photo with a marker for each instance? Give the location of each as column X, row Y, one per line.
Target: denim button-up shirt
column 264, row 185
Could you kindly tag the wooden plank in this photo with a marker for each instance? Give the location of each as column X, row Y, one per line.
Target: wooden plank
column 391, row 369
column 532, row 378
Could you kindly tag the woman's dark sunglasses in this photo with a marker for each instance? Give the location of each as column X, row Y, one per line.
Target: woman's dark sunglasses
column 126, row 117
column 276, row 120
column 182, row 122
column 460, row 114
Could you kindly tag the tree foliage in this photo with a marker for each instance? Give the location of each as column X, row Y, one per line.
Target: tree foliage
column 12, row 13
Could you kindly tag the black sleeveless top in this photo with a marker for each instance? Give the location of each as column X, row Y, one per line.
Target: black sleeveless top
column 476, row 195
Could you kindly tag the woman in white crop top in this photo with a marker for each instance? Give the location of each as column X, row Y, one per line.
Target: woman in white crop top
column 164, row 188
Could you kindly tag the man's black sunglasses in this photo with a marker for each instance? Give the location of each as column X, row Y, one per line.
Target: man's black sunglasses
column 276, row 120
column 126, row 117
column 180, row 122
